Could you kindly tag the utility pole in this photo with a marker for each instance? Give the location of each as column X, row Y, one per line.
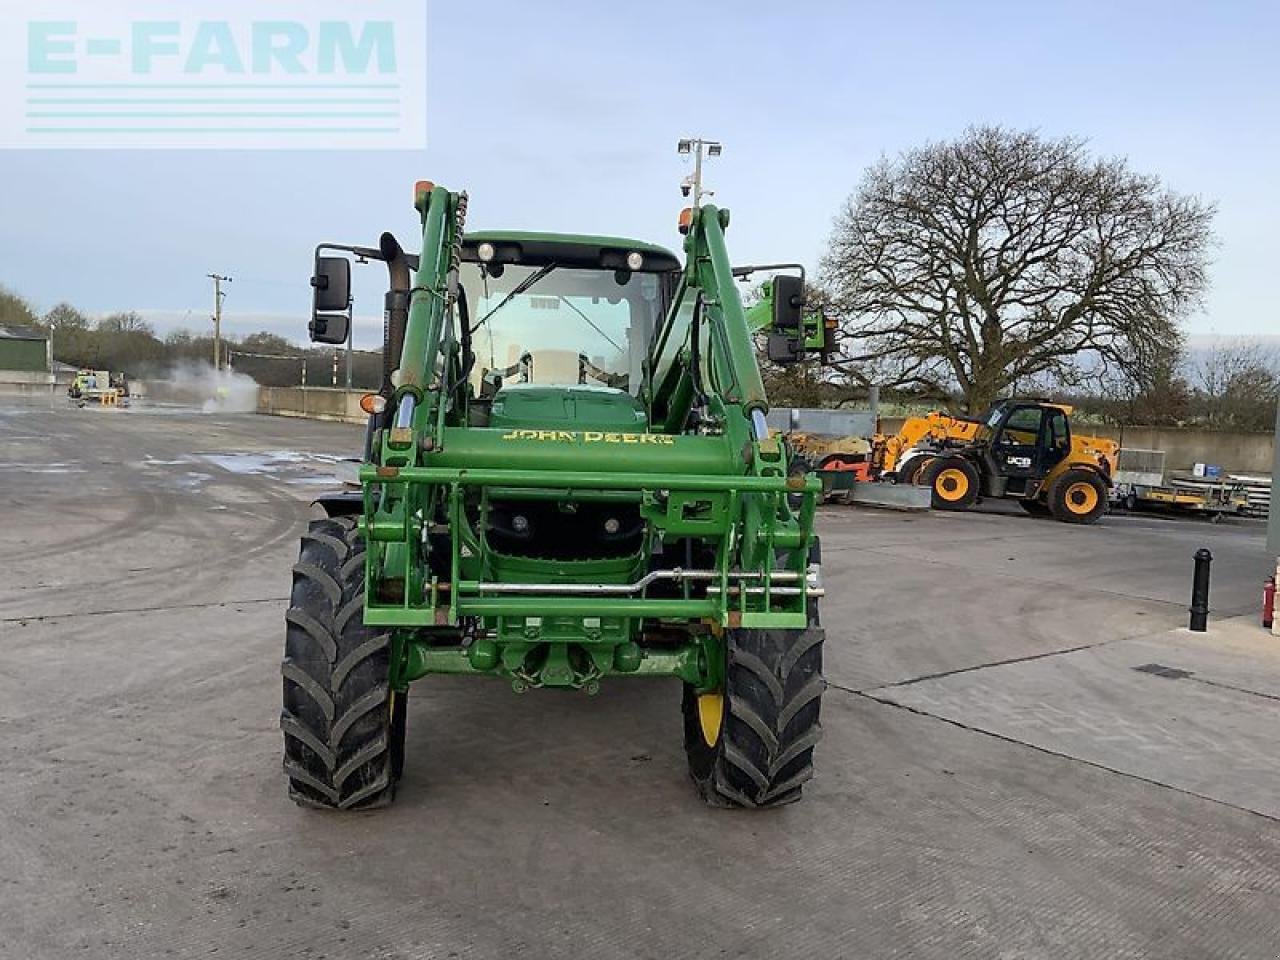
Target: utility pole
column 1273, row 515
column 218, row 295
column 351, row 332
column 695, row 146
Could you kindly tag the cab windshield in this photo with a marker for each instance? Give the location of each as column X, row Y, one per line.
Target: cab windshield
column 560, row 325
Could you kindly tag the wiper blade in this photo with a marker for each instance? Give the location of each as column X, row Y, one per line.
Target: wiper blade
column 518, row 289
column 592, row 324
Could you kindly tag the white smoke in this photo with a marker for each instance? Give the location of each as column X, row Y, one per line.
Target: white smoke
column 213, row 391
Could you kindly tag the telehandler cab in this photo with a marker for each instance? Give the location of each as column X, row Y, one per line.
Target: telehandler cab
column 568, row 479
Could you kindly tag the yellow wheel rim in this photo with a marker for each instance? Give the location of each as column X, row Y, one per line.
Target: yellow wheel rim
column 1081, row 498
column 951, row 484
column 710, row 715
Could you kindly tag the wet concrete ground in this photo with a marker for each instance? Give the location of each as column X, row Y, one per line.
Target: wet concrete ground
column 1004, row 773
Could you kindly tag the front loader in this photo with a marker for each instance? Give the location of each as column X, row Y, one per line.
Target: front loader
column 568, row 481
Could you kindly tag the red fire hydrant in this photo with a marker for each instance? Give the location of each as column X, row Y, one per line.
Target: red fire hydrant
column 1269, row 602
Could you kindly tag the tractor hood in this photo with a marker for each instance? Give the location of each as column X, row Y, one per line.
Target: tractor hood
column 528, row 406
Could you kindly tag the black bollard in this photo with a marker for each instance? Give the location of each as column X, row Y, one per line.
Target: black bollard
column 1200, row 591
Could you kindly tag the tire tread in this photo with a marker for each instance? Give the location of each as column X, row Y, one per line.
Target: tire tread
column 773, row 691
column 338, row 748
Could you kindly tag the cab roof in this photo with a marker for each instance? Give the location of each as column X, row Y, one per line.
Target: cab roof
column 567, row 249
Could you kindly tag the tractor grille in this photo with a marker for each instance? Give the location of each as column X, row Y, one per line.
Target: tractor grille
column 565, row 530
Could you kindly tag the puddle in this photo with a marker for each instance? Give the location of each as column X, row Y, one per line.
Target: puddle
column 44, row 468
column 289, row 466
column 257, row 463
column 150, row 461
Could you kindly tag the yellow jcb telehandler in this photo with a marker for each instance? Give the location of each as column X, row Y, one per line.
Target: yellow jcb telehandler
column 1021, row 449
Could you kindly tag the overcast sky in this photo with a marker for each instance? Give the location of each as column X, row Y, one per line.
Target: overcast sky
column 564, row 116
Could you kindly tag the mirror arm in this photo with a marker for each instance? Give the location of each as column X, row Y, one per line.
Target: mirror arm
column 747, row 270
column 364, row 253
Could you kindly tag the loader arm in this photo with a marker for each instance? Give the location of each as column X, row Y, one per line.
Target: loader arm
column 708, row 287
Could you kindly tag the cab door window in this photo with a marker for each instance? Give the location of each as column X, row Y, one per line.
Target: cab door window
column 1016, row 446
column 1057, row 438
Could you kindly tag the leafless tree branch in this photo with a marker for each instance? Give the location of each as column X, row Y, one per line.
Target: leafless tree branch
column 1004, row 257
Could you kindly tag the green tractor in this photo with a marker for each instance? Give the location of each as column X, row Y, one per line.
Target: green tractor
column 567, row 480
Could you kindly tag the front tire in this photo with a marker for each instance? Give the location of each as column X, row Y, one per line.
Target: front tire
column 953, row 482
column 343, row 725
column 751, row 745
column 1078, row 496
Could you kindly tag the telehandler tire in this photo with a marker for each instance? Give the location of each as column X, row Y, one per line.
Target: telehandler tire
column 953, row 482
column 1078, row 496
column 912, row 472
column 752, row 745
column 343, row 725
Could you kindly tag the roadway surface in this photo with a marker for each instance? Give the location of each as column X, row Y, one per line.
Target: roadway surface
column 1024, row 757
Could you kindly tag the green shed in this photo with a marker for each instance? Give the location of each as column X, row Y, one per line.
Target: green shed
column 24, row 350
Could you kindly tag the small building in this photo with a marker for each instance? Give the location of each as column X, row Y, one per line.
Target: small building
column 25, row 362
column 24, row 350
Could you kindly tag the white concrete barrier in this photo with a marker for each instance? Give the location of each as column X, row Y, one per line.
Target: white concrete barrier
column 315, row 403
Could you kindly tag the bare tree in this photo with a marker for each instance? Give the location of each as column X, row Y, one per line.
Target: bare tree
column 125, row 322
column 14, row 310
column 1006, row 258
column 1154, row 392
column 73, row 341
column 1236, row 385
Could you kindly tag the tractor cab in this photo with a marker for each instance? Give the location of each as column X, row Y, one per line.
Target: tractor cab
column 562, row 312
column 1025, row 441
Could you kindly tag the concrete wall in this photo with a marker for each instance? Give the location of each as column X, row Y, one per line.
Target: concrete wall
column 26, row 383
column 316, row 403
column 1238, row 452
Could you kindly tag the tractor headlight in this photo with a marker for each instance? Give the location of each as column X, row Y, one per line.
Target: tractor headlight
column 612, row 526
column 485, row 252
column 635, row 260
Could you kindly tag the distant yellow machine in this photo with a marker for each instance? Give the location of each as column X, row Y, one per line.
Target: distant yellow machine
column 1021, row 449
column 901, row 457
column 97, row 386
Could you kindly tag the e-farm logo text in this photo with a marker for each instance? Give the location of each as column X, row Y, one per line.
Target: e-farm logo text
column 270, row 74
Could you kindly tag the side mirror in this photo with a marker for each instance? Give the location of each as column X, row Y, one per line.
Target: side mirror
column 788, row 304
column 331, row 300
column 786, row 328
column 329, row 328
column 332, row 283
